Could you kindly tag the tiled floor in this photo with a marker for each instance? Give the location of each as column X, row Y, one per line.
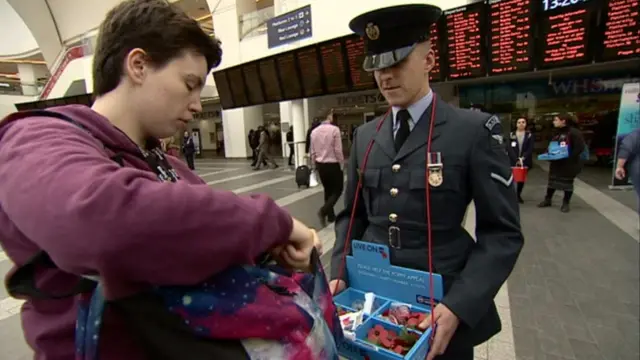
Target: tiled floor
column 573, row 294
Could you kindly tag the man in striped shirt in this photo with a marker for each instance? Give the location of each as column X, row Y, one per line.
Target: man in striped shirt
column 326, row 153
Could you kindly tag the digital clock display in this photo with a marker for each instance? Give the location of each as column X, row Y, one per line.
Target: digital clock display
column 548, row 5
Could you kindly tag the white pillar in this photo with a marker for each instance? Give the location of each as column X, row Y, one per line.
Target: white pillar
column 29, row 75
column 236, row 124
column 299, row 135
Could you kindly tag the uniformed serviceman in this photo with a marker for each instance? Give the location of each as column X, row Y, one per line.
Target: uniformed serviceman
column 467, row 161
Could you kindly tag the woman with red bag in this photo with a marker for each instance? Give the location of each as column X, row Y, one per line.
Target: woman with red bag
column 520, row 149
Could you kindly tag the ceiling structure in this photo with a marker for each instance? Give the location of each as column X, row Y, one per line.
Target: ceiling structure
column 197, row 9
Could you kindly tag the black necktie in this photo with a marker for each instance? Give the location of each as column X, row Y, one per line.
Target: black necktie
column 403, row 132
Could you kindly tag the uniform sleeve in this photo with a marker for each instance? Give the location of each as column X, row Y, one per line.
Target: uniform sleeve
column 498, row 233
column 629, row 145
column 360, row 221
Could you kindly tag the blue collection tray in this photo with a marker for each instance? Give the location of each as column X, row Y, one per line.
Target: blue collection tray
column 369, row 270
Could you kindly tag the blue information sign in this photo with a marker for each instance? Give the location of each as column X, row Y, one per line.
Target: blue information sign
column 292, row 26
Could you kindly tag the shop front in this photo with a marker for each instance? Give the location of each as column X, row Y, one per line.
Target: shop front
column 594, row 100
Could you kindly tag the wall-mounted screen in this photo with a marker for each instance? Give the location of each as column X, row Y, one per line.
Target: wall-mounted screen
column 289, row 76
column 564, row 33
column 270, row 82
column 333, row 67
column 252, row 82
column 436, row 72
column 236, row 82
column 310, row 70
column 360, row 79
column 464, row 41
column 224, row 91
column 510, row 36
column 621, row 38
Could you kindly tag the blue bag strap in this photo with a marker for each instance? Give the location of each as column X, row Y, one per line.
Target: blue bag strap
column 88, row 325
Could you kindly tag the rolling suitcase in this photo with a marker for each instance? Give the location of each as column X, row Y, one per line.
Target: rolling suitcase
column 303, row 173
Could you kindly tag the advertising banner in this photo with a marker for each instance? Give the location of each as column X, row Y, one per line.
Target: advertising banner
column 628, row 120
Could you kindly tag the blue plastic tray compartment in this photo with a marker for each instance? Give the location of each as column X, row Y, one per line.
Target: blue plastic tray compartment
column 346, row 299
column 378, row 352
column 379, row 314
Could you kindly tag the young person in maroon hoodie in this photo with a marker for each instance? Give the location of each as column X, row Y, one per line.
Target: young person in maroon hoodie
column 62, row 191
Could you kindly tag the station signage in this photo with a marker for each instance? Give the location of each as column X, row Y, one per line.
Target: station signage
column 292, row 26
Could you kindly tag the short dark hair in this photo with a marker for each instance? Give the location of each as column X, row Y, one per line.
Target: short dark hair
column 162, row 30
column 569, row 118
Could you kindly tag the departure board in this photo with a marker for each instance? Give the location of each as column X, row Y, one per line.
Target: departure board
column 237, row 87
column 360, row 79
column 464, row 41
column 252, row 82
column 289, row 76
column 270, row 83
column 510, row 36
column 564, row 33
column 310, row 70
column 333, row 67
column 224, row 92
column 436, row 73
column 621, row 30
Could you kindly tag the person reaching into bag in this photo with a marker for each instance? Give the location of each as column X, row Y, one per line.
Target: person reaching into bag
column 91, row 206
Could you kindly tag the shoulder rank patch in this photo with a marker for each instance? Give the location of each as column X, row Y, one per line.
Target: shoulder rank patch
column 492, row 122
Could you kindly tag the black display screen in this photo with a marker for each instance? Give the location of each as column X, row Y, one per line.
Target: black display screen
column 224, row 91
column 621, row 38
column 252, row 82
column 270, row 82
column 464, row 41
column 564, row 33
column 236, row 82
column 289, row 76
column 360, row 79
column 510, row 36
column 310, row 70
column 333, row 67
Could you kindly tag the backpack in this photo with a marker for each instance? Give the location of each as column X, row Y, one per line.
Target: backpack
column 292, row 314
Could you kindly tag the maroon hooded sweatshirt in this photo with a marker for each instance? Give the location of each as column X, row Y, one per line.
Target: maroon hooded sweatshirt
column 60, row 192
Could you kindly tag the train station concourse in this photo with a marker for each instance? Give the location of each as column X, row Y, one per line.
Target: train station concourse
column 290, row 68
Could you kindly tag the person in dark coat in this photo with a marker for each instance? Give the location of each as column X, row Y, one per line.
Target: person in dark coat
column 290, row 143
column 189, row 150
column 425, row 154
column 563, row 172
column 520, row 149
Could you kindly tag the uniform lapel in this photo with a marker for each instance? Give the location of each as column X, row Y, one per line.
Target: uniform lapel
column 384, row 137
column 420, row 133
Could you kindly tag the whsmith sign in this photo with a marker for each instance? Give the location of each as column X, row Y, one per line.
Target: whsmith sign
column 363, row 99
column 292, row 26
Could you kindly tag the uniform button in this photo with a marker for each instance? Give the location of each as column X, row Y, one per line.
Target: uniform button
column 393, row 192
column 395, row 168
column 393, row 217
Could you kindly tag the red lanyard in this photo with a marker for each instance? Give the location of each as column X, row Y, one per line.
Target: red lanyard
column 427, row 200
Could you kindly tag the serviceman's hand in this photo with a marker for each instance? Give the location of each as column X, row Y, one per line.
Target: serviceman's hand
column 620, row 173
column 446, row 324
column 337, row 286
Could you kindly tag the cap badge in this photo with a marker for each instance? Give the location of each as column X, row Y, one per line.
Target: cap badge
column 372, row 31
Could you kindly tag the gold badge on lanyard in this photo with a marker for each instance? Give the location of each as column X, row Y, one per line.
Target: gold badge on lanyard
column 434, row 166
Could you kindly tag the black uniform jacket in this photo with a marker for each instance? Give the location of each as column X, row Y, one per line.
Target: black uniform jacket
column 475, row 167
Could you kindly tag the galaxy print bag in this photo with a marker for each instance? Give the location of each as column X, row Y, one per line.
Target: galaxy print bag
column 247, row 312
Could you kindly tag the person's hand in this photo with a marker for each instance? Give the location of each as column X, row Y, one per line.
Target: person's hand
column 297, row 252
column 620, row 173
column 337, row 286
column 446, row 324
